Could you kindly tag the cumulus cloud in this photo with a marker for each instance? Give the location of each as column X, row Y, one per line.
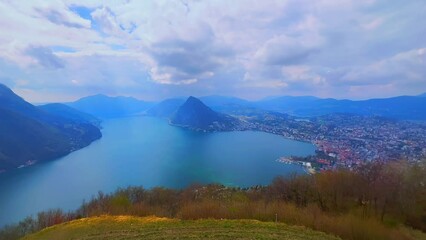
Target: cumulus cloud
column 406, row 67
column 284, row 50
column 155, row 49
column 45, row 57
column 63, row 17
column 105, row 21
column 178, row 61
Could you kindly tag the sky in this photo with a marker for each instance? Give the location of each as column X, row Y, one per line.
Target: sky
column 355, row 49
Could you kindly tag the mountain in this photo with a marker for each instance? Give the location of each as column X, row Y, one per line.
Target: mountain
column 194, row 114
column 226, row 104
column 62, row 110
column 403, row 107
column 166, row 108
column 286, row 104
column 30, row 134
column 103, row 106
column 422, row 95
column 10, row 101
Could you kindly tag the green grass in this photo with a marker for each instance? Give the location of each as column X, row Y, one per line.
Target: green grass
column 127, row 227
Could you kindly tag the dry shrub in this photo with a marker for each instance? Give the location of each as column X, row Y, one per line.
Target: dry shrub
column 347, row 226
column 202, row 209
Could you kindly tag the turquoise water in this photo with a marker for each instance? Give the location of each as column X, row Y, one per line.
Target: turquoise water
column 149, row 152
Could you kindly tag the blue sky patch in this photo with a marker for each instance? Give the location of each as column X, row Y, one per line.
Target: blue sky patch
column 63, row 49
column 117, row 47
column 83, row 12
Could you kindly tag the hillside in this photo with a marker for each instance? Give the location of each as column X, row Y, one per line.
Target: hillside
column 62, row 110
column 30, row 134
column 103, row 106
column 326, row 201
column 194, row 114
column 126, row 227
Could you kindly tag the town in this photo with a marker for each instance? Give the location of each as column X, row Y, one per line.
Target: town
column 345, row 140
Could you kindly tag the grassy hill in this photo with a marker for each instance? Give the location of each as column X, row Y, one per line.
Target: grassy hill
column 327, row 202
column 127, row 227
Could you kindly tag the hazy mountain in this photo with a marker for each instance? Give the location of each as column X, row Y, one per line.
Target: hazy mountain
column 103, row 106
column 226, row 104
column 29, row 133
column 165, row 108
column 422, row 95
column 285, row 104
column 195, row 114
column 62, row 110
column 222, row 104
column 404, row 107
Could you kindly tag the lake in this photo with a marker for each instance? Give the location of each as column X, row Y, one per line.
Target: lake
column 145, row 151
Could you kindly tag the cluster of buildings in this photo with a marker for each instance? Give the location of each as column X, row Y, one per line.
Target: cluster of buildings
column 344, row 140
column 352, row 140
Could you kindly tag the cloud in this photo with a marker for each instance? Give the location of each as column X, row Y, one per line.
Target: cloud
column 405, row 67
column 155, row 49
column 104, row 20
column 181, row 61
column 45, row 57
column 64, row 18
column 283, row 50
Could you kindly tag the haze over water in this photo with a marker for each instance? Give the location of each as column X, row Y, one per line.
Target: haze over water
column 144, row 151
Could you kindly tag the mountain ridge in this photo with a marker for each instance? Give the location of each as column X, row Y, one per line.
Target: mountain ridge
column 165, row 108
column 400, row 108
column 104, row 107
column 30, row 134
column 194, row 114
column 63, row 110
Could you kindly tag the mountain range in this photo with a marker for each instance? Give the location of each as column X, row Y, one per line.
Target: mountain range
column 30, row 134
column 104, row 107
column 401, row 108
column 226, row 104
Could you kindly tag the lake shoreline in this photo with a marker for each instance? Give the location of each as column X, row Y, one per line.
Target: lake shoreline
column 146, row 151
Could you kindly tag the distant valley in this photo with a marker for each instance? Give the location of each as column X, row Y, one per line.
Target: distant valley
column 345, row 132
